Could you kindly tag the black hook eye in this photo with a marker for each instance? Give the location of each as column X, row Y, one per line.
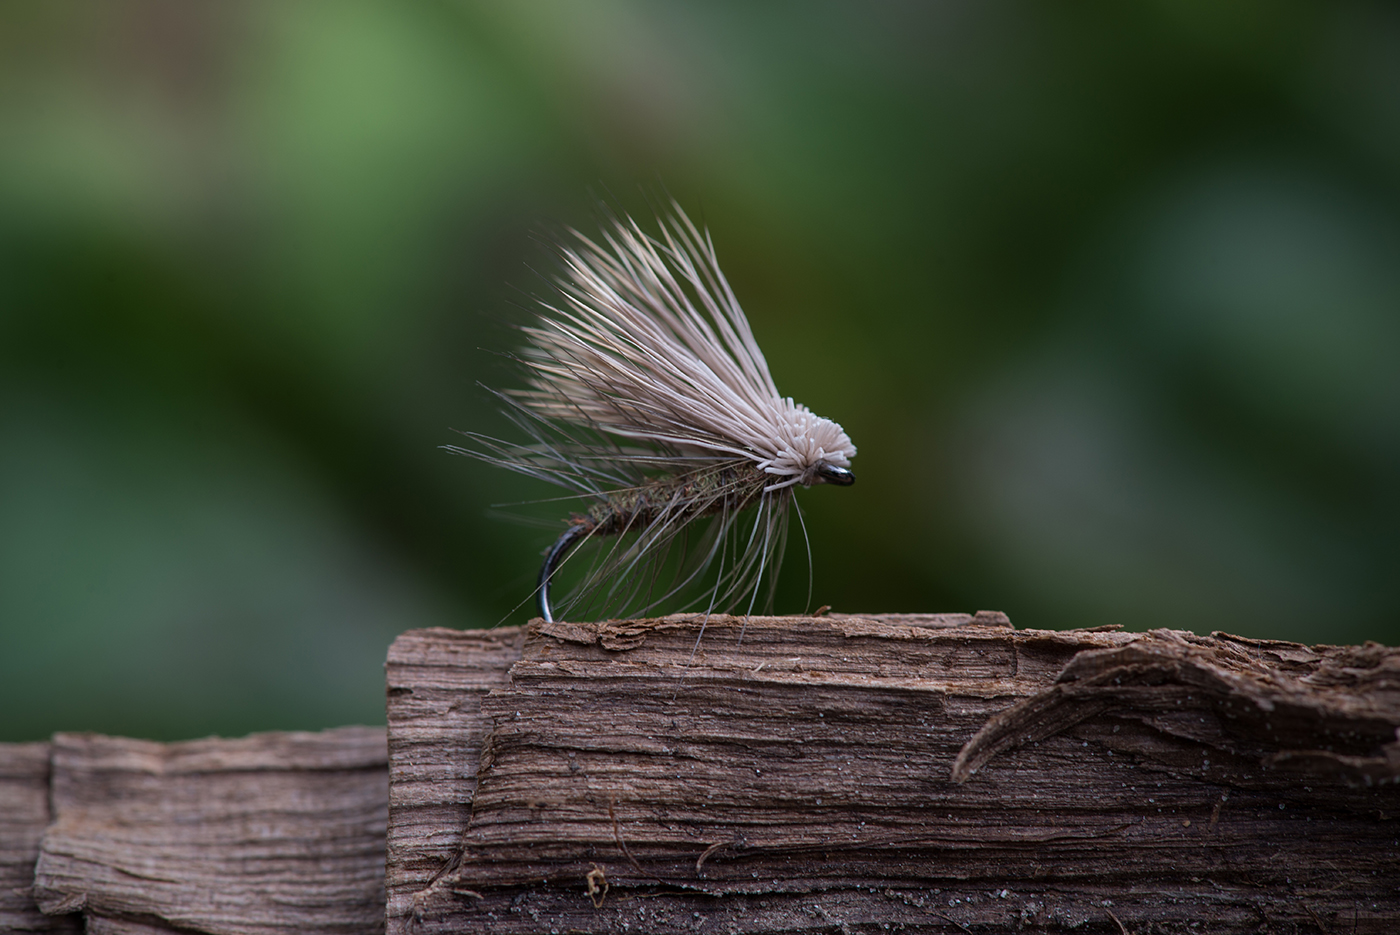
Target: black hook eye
column 841, row 477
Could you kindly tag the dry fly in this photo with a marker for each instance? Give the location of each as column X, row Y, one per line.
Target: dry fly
column 648, row 398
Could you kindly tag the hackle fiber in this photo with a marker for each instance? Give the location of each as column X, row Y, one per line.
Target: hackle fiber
column 648, row 394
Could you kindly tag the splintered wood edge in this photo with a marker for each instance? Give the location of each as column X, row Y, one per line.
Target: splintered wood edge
column 1224, row 669
column 584, row 632
column 720, row 645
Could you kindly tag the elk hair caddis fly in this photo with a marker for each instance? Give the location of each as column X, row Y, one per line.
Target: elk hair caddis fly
column 648, row 398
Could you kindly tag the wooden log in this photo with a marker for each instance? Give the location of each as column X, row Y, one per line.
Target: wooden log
column 272, row 833
column 915, row 774
column 24, row 813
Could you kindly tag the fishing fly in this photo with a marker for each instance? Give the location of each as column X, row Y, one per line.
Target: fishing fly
column 647, row 397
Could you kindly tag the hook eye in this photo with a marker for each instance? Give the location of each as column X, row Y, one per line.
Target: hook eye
column 841, row 477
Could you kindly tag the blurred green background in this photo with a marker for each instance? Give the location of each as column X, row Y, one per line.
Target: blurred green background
column 1108, row 295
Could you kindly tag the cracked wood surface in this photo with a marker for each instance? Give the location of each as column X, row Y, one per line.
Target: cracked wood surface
column 863, row 773
column 24, row 814
column 267, row 834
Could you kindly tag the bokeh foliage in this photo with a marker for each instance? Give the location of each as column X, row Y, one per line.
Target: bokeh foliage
column 1107, row 294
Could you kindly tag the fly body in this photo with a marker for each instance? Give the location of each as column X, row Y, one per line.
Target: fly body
column 703, row 492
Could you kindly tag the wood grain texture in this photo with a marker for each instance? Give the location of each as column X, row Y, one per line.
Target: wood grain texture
column 24, row 813
column 272, row 833
column 436, row 682
column 803, row 780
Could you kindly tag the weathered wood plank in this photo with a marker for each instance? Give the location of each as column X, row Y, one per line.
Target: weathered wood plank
column 24, row 813
column 272, row 833
column 436, row 681
column 803, row 780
